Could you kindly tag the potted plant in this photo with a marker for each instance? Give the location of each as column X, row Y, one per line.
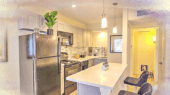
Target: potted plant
column 50, row 18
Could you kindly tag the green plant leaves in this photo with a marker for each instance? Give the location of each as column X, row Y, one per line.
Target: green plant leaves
column 54, row 13
column 50, row 18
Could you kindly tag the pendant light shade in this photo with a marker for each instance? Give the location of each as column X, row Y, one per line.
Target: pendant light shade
column 104, row 19
column 115, row 26
column 115, row 30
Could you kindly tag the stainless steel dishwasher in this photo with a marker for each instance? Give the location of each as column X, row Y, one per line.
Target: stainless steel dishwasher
column 84, row 65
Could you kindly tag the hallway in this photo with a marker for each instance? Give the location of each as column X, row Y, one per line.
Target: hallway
column 163, row 87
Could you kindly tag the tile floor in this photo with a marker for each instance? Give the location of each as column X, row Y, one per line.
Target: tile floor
column 74, row 93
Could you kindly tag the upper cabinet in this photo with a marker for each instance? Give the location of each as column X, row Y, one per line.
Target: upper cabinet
column 75, row 35
column 68, row 28
column 64, row 27
column 42, row 25
column 60, row 26
column 87, row 38
column 30, row 20
column 80, row 37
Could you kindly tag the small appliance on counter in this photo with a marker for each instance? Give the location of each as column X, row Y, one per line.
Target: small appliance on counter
column 105, row 66
column 82, row 55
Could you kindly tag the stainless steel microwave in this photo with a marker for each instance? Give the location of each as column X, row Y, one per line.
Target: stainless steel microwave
column 66, row 38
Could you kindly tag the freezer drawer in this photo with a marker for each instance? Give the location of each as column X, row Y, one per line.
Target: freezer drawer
column 48, row 77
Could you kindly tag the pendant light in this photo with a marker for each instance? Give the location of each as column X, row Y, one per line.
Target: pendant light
column 104, row 19
column 115, row 26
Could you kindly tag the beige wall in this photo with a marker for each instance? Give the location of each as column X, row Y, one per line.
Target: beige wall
column 95, row 27
column 99, row 39
column 167, row 50
column 114, row 57
column 9, row 71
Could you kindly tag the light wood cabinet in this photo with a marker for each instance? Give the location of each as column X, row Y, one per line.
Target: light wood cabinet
column 29, row 20
column 80, row 37
column 87, row 38
column 75, row 36
column 60, row 26
column 62, row 79
column 91, row 63
column 68, row 28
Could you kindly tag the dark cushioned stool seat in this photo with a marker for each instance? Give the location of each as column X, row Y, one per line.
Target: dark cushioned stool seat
column 122, row 92
column 132, row 81
column 137, row 81
column 146, row 89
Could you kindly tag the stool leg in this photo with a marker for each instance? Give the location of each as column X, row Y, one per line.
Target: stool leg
column 135, row 89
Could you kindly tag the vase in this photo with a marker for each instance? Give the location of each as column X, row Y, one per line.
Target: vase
column 49, row 31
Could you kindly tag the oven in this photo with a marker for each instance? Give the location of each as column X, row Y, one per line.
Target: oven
column 73, row 68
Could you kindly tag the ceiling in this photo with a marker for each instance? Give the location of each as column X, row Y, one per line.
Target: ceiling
column 90, row 11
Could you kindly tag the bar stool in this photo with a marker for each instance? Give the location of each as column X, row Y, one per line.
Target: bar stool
column 146, row 89
column 137, row 81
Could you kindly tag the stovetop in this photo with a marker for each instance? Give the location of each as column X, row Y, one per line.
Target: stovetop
column 69, row 62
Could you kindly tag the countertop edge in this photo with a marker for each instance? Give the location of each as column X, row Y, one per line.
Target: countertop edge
column 97, row 85
column 85, row 59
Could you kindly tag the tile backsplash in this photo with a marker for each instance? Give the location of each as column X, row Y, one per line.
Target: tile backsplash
column 72, row 51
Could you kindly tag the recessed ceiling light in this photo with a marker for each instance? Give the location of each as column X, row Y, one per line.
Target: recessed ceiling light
column 73, row 6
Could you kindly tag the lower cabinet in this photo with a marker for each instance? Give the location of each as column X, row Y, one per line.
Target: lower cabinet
column 62, row 80
column 98, row 60
column 91, row 63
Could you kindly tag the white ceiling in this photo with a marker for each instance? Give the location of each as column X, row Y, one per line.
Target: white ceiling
column 90, row 11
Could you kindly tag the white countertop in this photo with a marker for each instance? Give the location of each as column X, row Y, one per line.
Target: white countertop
column 85, row 58
column 94, row 76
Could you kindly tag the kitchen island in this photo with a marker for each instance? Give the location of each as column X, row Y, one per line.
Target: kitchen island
column 94, row 81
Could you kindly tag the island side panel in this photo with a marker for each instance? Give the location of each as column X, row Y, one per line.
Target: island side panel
column 83, row 89
column 105, row 91
column 120, row 84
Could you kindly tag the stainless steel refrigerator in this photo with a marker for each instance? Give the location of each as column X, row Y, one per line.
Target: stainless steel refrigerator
column 39, row 58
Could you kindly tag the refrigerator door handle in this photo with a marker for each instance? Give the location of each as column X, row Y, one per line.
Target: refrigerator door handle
column 59, row 53
column 59, row 65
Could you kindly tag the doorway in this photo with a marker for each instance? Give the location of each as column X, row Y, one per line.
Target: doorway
column 144, row 52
